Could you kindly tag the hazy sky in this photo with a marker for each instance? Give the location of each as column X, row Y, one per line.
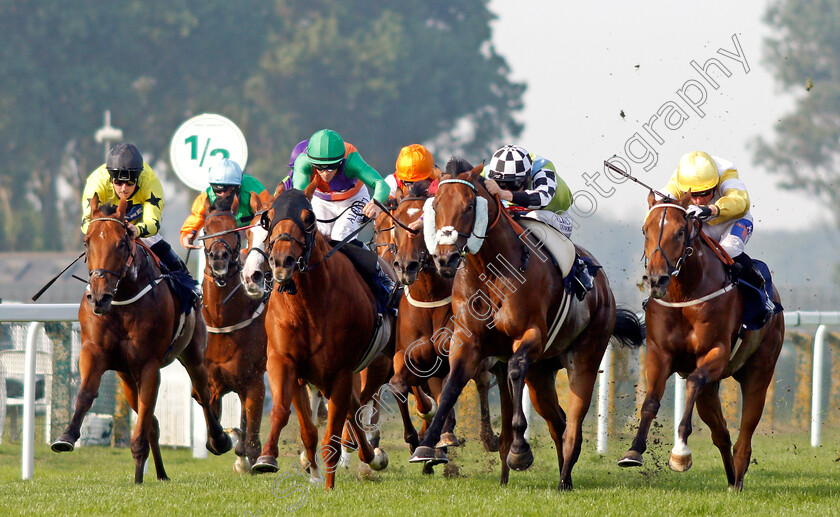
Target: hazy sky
column 586, row 62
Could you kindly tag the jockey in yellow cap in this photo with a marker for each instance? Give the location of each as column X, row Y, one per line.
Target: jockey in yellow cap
column 719, row 198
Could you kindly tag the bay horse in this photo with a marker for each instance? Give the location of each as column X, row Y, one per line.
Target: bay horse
column 424, row 309
column 504, row 302
column 319, row 323
column 130, row 323
column 693, row 325
column 236, row 338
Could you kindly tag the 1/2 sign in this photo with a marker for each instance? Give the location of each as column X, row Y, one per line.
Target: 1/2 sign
column 201, row 141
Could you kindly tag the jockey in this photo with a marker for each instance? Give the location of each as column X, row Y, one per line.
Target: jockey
column 719, row 198
column 340, row 201
column 125, row 175
column 414, row 163
column 526, row 181
column 226, row 179
column 297, row 151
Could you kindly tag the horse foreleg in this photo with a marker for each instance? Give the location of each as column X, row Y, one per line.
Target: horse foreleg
column 709, row 409
column 147, row 396
column 339, row 402
column 710, row 367
column 374, row 457
column 544, row 399
column 308, row 433
column 131, row 393
column 582, row 368
column 91, row 368
column 447, row 432
column 505, row 437
column 657, row 370
column 218, row 441
column 282, row 378
column 462, row 367
column 520, row 456
column 253, row 409
column 399, row 385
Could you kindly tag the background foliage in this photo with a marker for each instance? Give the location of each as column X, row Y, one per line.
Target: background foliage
column 384, row 74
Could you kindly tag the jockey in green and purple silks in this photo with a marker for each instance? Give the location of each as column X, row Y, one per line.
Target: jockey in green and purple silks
column 342, row 174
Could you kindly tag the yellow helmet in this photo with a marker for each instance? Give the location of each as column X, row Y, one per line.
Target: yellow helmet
column 697, row 172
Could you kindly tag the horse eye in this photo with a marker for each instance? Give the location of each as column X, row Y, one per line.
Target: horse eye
column 681, row 232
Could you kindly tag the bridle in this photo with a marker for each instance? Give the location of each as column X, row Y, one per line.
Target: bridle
column 690, row 232
column 426, row 260
column 127, row 258
column 462, row 250
column 233, row 263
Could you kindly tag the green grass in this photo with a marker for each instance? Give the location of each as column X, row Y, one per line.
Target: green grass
column 788, row 477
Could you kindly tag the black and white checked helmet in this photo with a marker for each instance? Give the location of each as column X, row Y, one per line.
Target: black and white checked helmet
column 509, row 164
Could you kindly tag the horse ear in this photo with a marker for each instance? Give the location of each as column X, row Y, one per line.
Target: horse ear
column 685, row 200
column 651, row 199
column 310, row 189
column 307, row 216
column 121, row 209
column 94, row 203
column 206, row 205
column 281, row 187
column 234, row 207
column 475, row 173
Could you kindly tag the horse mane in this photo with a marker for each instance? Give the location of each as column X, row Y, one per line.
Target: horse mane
column 108, row 209
column 419, row 188
column 456, row 165
column 221, row 204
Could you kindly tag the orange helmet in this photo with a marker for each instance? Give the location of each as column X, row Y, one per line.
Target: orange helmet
column 414, row 163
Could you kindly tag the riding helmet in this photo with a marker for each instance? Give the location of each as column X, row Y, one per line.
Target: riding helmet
column 414, row 163
column 510, row 164
column 326, row 147
column 124, row 162
column 225, row 172
column 697, row 172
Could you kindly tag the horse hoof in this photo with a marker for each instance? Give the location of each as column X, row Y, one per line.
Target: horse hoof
column 380, row 459
column 430, row 415
column 220, row 445
column 679, row 463
column 62, row 445
column 242, row 465
column 447, row 440
column 265, row 464
column 422, row 454
column 521, row 460
column 440, row 457
column 631, row 459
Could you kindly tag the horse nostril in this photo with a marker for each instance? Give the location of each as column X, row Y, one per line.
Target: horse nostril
column 413, row 266
column 288, row 262
column 662, row 281
column 257, row 277
column 396, row 264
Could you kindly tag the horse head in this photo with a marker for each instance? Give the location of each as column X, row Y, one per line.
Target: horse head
column 460, row 216
column 669, row 232
column 222, row 252
column 255, row 274
column 109, row 253
column 410, row 255
column 382, row 231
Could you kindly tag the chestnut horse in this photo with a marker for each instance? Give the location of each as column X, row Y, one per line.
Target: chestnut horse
column 694, row 321
column 504, row 302
column 320, row 324
column 236, row 340
column 424, row 308
column 131, row 324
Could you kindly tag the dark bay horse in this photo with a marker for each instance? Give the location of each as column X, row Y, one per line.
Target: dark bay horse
column 424, row 309
column 236, row 339
column 130, row 323
column 320, row 323
column 505, row 300
column 693, row 324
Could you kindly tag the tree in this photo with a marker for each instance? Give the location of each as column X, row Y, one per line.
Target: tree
column 806, row 57
column 384, row 74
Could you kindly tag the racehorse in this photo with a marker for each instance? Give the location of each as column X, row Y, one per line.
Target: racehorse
column 507, row 293
column 693, row 328
column 236, row 339
column 130, row 323
column 425, row 308
column 320, row 325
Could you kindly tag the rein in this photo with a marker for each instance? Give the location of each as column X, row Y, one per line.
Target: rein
column 234, row 267
column 673, row 270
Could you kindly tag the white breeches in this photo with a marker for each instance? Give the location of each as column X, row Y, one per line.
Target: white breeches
column 561, row 222
column 349, row 220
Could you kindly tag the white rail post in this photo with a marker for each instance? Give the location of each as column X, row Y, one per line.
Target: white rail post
column 526, row 408
column 604, row 375
column 816, row 389
column 199, row 431
column 27, row 464
column 679, row 404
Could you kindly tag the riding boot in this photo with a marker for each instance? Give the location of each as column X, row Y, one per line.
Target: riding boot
column 584, row 279
column 390, row 289
column 748, row 271
column 173, row 263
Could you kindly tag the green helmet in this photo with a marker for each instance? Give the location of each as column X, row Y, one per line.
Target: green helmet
column 326, row 147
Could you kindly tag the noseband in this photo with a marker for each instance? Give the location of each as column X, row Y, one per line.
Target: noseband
column 426, row 261
column 127, row 258
column 673, row 270
column 233, row 263
column 462, row 251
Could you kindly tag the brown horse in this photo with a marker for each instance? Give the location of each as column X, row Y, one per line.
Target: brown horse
column 505, row 300
column 320, row 325
column 693, row 321
column 236, row 339
column 425, row 308
column 130, row 323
